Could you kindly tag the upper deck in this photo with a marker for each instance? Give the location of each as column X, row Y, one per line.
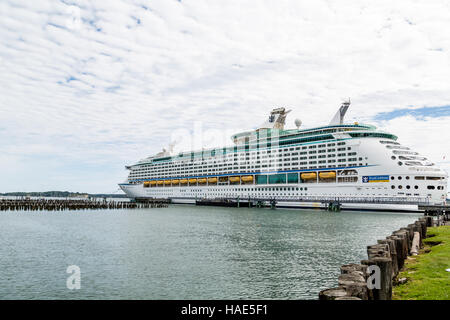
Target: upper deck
column 273, row 138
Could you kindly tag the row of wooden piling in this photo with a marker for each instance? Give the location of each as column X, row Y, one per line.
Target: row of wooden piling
column 358, row 282
column 75, row 204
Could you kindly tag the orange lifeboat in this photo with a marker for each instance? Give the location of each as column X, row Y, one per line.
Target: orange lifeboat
column 327, row 175
column 308, row 175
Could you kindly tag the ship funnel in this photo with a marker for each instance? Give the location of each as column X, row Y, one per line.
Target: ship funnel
column 339, row 116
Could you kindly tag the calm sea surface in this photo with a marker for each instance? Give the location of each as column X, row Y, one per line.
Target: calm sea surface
column 184, row 252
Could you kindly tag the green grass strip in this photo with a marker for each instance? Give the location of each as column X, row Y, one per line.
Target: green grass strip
column 427, row 278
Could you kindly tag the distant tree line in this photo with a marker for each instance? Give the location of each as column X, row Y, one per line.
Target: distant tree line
column 61, row 194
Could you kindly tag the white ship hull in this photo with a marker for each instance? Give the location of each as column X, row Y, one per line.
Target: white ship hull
column 286, row 194
column 139, row 193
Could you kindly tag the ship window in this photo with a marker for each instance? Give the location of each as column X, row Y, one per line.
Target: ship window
column 277, row 178
column 292, row 177
column 419, row 178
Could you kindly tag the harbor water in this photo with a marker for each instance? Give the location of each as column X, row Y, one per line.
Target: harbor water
column 184, row 252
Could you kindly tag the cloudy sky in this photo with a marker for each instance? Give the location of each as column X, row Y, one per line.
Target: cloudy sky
column 88, row 87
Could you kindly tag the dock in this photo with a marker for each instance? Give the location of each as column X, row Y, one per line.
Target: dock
column 328, row 203
column 432, row 210
column 441, row 212
column 76, row 204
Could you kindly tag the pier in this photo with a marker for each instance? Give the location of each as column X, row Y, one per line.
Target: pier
column 433, row 210
column 76, row 204
column 328, row 203
column 441, row 212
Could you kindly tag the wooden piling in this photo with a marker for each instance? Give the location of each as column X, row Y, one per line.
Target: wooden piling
column 76, row 204
column 389, row 256
column 332, row 294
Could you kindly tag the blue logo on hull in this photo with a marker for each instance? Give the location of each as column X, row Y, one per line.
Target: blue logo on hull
column 368, row 179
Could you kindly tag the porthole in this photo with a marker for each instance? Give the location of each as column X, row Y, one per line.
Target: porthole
column 393, row 157
column 392, row 178
column 400, row 163
column 408, row 187
column 416, row 187
column 399, row 178
column 392, row 187
column 407, row 177
column 400, row 187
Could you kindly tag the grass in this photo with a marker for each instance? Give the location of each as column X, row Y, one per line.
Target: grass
column 425, row 273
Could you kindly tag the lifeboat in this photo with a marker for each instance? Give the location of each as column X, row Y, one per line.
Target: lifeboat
column 235, row 179
column 212, row 180
column 194, row 180
column 153, row 182
column 183, row 181
column 159, row 182
column 176, row 181
column 327, row 175
column 202, row 180
column 146, row 184
column 247, row 179
column 308, row 175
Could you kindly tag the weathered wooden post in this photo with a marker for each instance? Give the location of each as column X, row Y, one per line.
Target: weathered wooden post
column 393, row 255
column 384, row 291
column 332, row 294
column 416, row 244
column 403, row 246
column 424, row 222
column 355, row 284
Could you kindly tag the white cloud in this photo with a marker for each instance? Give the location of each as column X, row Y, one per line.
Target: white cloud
column 103, row 84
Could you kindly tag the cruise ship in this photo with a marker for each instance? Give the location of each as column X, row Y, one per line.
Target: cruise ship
column 355, row 164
